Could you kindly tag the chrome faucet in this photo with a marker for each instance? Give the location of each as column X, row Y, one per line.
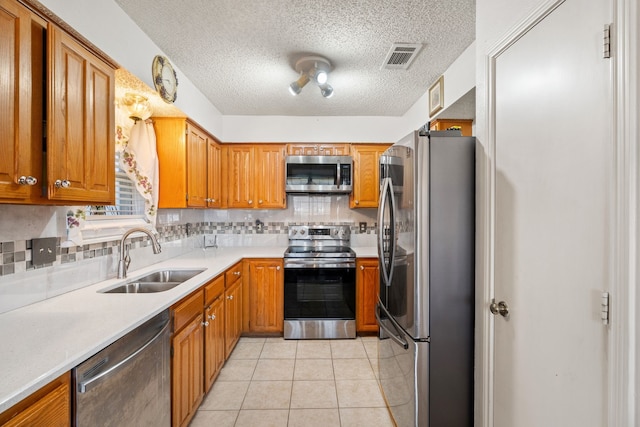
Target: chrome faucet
column 125, row 259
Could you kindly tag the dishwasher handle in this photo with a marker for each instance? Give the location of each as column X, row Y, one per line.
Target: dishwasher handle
column 87, row 385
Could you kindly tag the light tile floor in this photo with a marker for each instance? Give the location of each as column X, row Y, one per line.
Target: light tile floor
column 276, row 382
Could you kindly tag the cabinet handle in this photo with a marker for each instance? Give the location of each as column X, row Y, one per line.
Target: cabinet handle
column 362, row 267
column 205, row 323
column 212, row 317
column 357, row 202
column 213, row 200
column 207, row 200
column 230, row 297
column 260, row 202
column 64, row 183
column 278, row 268
column 250, row 202
column 236, row 273
column 27, row 180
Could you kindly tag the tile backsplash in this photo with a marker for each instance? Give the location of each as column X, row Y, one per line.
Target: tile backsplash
column 180, row 230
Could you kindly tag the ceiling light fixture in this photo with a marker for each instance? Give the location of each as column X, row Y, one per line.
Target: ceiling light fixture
column 137, row 105
column 314, row 68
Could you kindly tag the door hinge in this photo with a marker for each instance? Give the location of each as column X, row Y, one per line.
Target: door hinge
column 604, row 312
column 187, row 196
column 607, row 41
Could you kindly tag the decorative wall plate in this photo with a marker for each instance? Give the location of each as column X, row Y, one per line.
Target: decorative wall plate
column 164, row 78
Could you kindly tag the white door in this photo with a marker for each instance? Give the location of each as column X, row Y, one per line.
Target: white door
column 553, row 150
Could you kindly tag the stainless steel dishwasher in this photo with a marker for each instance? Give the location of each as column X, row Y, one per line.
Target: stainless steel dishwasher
column 129, row 382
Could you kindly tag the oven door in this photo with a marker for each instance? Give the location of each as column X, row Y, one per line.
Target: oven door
column 319, row 301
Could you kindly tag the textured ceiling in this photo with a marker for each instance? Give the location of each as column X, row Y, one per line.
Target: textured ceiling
column 241, row 53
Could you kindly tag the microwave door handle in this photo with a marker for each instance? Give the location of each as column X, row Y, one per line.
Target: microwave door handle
column 338, row 177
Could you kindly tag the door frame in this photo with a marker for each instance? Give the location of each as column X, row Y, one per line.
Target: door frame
column 623, row 340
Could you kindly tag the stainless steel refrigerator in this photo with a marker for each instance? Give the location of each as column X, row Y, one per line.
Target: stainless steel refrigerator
column 426, row 228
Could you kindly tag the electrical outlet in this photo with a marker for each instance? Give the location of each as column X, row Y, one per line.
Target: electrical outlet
column 363, row 227
column 43, row 251
column 209, row 240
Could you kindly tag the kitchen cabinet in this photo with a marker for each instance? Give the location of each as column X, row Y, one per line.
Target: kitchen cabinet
column 366, row 175
column 444, row 124
column 21, row 103
column 233, row 307
column 367, row 288
column 255, row 176
column 48, row 407
column 318, row 149
column 214, row 315
column 266, row 295
column 66, row 86
column 214, row 174
column 182, row 157
column 81, row 123
column 187, row 346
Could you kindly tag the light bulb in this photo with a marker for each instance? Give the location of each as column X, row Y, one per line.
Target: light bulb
column 321, row 77
column 296, row 87
column 326, row 90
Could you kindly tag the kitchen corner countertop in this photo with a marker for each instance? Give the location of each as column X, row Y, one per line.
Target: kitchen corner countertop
column 44, row 340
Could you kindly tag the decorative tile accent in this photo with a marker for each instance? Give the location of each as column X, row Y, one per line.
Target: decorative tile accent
column 15, row 256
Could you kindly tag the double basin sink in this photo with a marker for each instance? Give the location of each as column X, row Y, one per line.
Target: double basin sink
column 157, row 281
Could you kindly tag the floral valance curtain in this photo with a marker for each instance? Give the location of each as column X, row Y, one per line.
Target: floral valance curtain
column 136, row 142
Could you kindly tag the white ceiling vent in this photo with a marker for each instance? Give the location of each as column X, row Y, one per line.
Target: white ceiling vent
column 401, row 55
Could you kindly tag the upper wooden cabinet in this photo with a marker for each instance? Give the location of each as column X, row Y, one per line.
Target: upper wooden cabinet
column 255, row 174
column 81, row 131
column 366, row 175
column 318, row 149
column 182, row 157
column 444, row 124
column 70, row 89
column 21, row 102
column 214, row 175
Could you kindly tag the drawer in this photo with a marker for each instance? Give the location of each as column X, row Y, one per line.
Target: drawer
column 233, row 274
column 187, row 309
column 213, row 289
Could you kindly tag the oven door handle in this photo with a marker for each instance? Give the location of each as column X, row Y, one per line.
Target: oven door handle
column 397, row 338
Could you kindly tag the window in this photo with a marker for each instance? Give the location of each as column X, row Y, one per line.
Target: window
column 129, row 202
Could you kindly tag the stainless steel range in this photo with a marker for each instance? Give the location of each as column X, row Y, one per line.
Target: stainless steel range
column 319, row 283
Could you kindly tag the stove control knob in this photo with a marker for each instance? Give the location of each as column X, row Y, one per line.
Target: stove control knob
column 302, row 231
column 334, row 231
column 341, row 233
column 294, row 232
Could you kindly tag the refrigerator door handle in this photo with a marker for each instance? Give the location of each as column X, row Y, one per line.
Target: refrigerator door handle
column 387, row 188
column 395, row 338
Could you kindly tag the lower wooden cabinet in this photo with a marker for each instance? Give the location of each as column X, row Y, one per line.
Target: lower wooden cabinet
column 367, row 285
column 187, row 347
column 48, row 407
column 214, row 315
column 233, row 316
column 266, row 296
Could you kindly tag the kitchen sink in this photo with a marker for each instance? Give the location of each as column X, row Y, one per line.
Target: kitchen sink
column 158, row 281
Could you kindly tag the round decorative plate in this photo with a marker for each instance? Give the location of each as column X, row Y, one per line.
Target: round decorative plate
column 164, row 79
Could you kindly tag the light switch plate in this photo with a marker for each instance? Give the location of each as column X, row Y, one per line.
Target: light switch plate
column 43, row 251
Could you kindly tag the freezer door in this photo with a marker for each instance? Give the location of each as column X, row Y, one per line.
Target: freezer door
column 403, row 369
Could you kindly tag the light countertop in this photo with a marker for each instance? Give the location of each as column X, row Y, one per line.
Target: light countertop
column 44, row 340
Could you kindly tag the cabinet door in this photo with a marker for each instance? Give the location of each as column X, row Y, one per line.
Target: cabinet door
column 266, row 296
column 444, row 124
column 214, row 174
column 50, row 406
column 240, row 164
column 187, row 366
column 233, row 316
column 214, row 341
column 197, row 142
column 334, row 149
column 366, row 181
column 80, row 143
column 172, row 158
column 367, row 285
column 21, row 106
column 270, row 176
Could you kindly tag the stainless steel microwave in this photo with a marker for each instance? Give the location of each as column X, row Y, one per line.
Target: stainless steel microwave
column 319, row 174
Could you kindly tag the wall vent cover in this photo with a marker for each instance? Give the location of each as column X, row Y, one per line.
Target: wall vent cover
column 401, row 55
